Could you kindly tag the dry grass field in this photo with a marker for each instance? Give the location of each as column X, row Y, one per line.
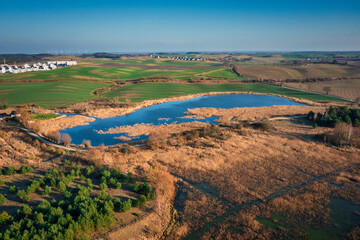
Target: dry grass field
column 347, row 88
column 282, row 72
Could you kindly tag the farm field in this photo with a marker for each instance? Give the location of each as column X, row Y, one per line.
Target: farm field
column 64, row 93
column 119, row 70
column 49, row 94
column 146, row 91
column 347, row 88
column 282, row 71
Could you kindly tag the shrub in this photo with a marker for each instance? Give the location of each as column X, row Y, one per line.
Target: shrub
column 315, row 126
column 10, row 170
column 61, row 187
column 115, row 173
column 136, row 187
column 5, row 218
column 126, row 206
column 113, row 182
column 25, row 169
column 103, row 179
column 82, row 178
column 21, row 194
column 13, row 189
column 35, row 185
column 2, row 199
column 66, row 139
column 103, row 186
column 67, row 194
column 264, row 125
column 89, row 183
column 26, row 198
column 118, row 185
column 23, row 211
column 106, row 174
column 122, row 206
column 94, row 156
column 1, row 182
column 128, row 177
column 345, row 134
column 140, row 201
column 1, row 171
column 87, row 144
column 47, row 190
column 54, row 135
column 88, row 172
column 102, row 195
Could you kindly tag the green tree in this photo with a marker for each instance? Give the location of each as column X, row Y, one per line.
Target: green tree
column 3, row 199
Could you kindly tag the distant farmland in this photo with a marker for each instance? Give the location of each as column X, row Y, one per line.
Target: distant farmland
column 347, row 88
column 121, row 70
column 282, row 71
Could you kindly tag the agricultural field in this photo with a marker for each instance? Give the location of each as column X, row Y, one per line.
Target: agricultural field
column 49, row 94
column 146, row 91
column 346, row 88
column 282, row 71
column 64, row 93
column 292, row 56
column 119, row 70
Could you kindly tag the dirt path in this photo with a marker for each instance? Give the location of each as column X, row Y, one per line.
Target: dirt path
column 41, row 139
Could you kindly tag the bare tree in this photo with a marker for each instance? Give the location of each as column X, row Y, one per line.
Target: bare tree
column 87, row 144
column 357, row 100
column 54, row 135
column 327, row 90
column 66, row 139
column 23, row 115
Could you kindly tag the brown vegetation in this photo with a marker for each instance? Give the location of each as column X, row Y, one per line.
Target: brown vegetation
column 345, row 88
column 345, row 134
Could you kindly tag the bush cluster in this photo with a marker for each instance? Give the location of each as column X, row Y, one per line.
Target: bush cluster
column 335, row 115
column 146, row 193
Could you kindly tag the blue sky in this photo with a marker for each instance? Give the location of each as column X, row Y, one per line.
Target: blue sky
column 148, row 26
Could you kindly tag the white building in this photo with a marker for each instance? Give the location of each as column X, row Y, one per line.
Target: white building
column 52, row 66
column 37, row 66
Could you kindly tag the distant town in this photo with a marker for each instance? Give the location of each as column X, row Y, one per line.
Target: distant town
column 180, row 58
column 38, row 66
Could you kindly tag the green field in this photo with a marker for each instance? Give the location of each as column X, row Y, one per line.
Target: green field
column 146, row 91
column 49, row 94
column 43, row 116
column 223, row 73
column 119, row 70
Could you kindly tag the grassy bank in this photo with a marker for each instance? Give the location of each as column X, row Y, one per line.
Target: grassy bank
column 146, row 91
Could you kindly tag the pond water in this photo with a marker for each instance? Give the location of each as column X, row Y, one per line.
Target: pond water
column 168, row 112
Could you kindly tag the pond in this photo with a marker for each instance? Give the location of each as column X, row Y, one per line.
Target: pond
column 168, row 112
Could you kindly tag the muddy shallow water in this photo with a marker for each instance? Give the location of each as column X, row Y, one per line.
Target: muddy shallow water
column 167, row 113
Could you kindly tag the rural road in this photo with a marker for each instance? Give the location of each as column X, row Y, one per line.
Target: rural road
column 41, row 139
